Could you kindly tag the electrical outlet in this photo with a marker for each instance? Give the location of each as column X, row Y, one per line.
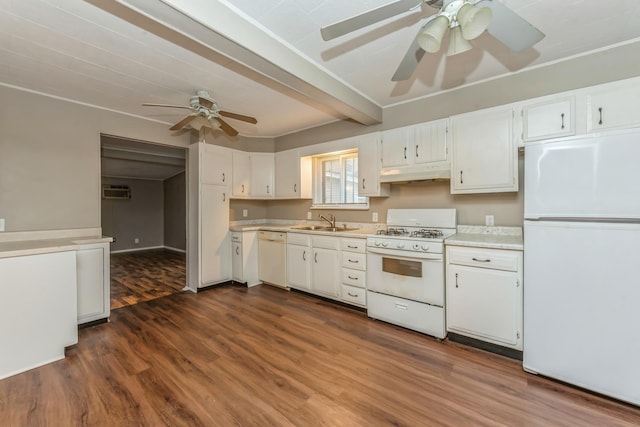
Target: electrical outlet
column 136, row 240
column 245, row 213
column 309, row 216
column 488, row 220
column 1, row 224
column 374, row 217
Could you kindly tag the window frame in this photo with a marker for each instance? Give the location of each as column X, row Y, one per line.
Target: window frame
column 318, row 181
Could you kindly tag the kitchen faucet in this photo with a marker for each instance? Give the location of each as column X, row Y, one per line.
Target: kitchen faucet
column 331, row 221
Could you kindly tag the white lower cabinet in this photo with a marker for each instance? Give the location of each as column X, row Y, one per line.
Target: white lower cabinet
column 325, row 266
column 92, row 275
column 354, row 271
column 244, row 257
column 299, row 261
column 484, row 294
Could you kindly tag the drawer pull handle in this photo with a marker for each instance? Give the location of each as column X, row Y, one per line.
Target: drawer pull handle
column 352, row 278
column 352, row 295
column 352, row 247
column 401, row 306
column 480, row 260
column 353, row 261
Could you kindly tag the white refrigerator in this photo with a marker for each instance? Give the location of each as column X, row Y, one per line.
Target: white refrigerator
column 582, row 262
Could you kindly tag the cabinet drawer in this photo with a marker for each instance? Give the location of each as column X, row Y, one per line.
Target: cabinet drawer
column 354, row 245
column 324, row 242
column 495, row 259
column 354, row 277
column 353, row 295
column 354, row 260
column 298, row 239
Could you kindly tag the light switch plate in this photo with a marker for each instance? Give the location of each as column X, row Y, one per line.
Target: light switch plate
column 309, row 215
column 245, row 213
column 1, row 224
column 374, row 217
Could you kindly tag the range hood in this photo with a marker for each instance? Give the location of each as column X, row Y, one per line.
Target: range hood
column 420, row 172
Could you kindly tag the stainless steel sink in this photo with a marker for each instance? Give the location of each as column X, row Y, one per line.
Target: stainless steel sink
column 322, row 228
column 309, row 227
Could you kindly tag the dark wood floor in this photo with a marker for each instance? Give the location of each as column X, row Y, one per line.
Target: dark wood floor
column 146, row 275
column 267, row 357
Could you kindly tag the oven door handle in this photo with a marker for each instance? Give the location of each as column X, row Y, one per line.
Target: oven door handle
column 405, row 254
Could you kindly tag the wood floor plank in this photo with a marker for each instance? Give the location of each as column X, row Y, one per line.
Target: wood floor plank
column 261, row 356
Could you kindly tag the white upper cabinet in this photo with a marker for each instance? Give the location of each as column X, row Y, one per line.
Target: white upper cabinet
column 484, row 154
column 262, row 175
column 241, row 174
column 369, row 162
column 293, row 175
column 422, row 143
column 550, row 119
column 614, row 106
column 216, row 162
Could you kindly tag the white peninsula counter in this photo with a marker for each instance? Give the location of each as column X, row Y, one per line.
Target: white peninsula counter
column 47, row 287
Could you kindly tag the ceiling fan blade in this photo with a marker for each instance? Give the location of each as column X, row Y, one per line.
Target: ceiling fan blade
column 511, row 29
column 182, row 123
column 367, row 18
column 236, row 116
column 412, row 58
column 226, row 128
column 205, row 102
column 166, row 105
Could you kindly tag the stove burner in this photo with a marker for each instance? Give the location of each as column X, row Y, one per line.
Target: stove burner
column 393, row 232
column 426, row 233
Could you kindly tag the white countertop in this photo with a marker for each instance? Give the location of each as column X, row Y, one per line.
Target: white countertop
column 41, row 246
column 361, row 232
column 509, row 238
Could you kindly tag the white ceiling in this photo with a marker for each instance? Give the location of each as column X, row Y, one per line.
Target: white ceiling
column 269, row 60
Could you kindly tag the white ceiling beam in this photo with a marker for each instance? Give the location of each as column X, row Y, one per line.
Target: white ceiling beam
column 214, row 30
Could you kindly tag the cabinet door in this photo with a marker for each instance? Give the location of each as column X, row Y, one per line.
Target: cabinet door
column 615, row 106
column 261, row 175
column 299, row 267
column 236, row 263
column 551, row 119
column 93, row 289
column 369, row 162
column 484, row 303
column 325, row 268
column 394, row 147
column 287, row 174
column 241, row 173
column 430, row 142
column 216, row 163
column 484, row 156
column 215, row 254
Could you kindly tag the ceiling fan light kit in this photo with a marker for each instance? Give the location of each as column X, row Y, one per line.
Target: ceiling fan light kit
column 206, row 114
column 466, row 20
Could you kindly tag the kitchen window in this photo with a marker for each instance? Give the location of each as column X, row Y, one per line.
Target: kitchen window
column 336, row 182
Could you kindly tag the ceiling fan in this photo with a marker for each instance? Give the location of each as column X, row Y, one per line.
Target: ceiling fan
column 465, row 20
column 206, row 114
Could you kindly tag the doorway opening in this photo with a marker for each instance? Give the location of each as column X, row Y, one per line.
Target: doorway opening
column 144, row 199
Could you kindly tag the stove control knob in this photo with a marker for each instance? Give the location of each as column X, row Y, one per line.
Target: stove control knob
column 416, row 247
column 385, row 244
column 400, row 246
column 376, row 243
column 425, row 247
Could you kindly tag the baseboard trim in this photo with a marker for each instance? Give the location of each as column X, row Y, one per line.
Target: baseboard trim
column 171, row 248
column 121, row 251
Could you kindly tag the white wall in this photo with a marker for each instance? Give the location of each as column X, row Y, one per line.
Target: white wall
column 50, row 159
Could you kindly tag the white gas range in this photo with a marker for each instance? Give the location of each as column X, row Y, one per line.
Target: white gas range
column 405, row 269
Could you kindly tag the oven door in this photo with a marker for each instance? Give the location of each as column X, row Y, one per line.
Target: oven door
column 414, row 276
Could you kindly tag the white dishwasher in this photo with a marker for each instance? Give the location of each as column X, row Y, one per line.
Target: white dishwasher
column 272, row 258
